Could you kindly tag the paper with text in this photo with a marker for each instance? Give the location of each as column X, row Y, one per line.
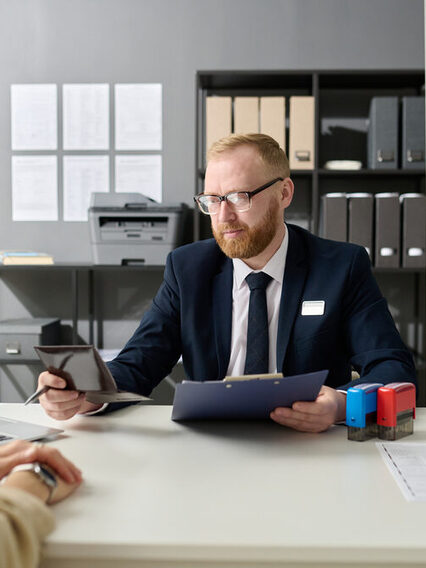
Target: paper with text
column 407, row 463
column 34, row 117
column 138, row 116
column 140, row 174
column 82, row 176
column 86, row 117
column 34, row 188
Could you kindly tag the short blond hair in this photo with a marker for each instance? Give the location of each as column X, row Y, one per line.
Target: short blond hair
column 273, row 157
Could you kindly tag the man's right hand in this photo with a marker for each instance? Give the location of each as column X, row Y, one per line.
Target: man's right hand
column 62, row 404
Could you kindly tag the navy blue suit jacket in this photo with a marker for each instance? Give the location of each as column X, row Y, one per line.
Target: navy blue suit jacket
column 191, row 316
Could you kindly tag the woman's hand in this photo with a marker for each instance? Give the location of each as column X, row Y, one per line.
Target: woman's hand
column 20, row 451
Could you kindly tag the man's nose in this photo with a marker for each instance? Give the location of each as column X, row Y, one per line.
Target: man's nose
column 226, row 213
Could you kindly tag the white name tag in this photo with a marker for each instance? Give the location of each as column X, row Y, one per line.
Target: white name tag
column 313, row 308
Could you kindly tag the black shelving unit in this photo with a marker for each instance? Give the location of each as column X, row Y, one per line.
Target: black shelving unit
column 342, row 98
column 342, row 101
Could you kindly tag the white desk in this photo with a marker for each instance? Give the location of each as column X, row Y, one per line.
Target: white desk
column 159, row 494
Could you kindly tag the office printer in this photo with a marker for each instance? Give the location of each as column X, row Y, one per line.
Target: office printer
column 130, row 228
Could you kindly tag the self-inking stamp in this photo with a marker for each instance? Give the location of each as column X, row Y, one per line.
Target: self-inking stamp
column 396, row 410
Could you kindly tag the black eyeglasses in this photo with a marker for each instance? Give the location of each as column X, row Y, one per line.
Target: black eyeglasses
column 209, row 204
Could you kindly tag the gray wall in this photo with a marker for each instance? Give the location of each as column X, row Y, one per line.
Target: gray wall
column 167, row 41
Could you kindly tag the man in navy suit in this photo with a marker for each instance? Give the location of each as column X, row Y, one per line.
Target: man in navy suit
column 324, row 308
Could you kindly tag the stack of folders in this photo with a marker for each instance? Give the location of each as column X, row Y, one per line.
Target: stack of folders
column 267, row 115
column 390, row 226
column 13, row 257
column 386, row 130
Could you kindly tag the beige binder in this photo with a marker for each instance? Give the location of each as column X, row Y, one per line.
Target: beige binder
column 246, row 115
column 301, row 139
column 218, row 119
column 272, row 118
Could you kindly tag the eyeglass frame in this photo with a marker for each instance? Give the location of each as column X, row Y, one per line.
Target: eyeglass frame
column 221, row 198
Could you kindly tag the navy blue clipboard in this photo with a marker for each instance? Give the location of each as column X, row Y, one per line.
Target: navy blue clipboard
column 254, row 398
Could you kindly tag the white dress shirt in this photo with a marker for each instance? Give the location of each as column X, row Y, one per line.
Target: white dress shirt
column 240, row 305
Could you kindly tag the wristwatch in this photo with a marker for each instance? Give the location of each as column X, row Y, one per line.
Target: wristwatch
column 43, row 473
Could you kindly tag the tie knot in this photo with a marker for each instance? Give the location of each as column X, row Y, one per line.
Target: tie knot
column 258, row 280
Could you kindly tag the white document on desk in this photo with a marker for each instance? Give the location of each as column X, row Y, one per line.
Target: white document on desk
column 407, row 463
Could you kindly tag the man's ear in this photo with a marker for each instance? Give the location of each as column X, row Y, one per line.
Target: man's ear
column 287, row 191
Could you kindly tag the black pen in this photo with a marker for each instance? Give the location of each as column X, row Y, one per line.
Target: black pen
column 36, row 395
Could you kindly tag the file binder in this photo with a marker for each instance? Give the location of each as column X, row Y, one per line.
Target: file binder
column 382, row 140
column 413, row 230
column 246, row 115
column 272, row 118
column 334, row 217
column 254, row 398
column 388, row 230
column 360, row 220
column 302, row 128
column 413, row 133
column 218, row 119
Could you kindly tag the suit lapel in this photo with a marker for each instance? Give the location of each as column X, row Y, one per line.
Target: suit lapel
column 295, row 272
column 222, row 315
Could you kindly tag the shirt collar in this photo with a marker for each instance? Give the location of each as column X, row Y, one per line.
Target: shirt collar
column 274, row 267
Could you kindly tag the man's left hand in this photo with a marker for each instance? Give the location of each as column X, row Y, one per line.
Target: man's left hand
column 328, row 408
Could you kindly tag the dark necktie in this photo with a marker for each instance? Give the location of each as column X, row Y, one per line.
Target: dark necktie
column 257, row 357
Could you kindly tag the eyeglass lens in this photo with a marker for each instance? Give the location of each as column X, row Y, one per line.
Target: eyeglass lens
column 238, row 201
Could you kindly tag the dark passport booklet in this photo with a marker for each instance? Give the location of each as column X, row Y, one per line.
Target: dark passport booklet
column 83, row 369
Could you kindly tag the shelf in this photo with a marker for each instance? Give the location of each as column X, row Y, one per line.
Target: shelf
column 276, row 79
column 363, row 172
column 372, row 79
column 294, row 173
column 218, row 81
column 323, row 173
column 301, row 173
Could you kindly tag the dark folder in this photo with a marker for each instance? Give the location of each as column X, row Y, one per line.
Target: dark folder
column 388, row 230
column 360, row 220
column 334, row 218
column 243, row 399
column 413, row 230
column 413, row 133
column 382, row 138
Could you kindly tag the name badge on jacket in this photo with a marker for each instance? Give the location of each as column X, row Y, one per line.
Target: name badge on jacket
column 313, row 308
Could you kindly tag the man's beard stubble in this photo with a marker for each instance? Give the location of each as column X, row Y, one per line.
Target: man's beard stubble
column 253, row 241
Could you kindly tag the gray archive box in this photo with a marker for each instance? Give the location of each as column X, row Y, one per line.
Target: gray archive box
column 413, row 133
column 413, row 230
column 382, row 141
column 387, row 230
column 18, row 337
column 334, row 217
column 360, row 220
